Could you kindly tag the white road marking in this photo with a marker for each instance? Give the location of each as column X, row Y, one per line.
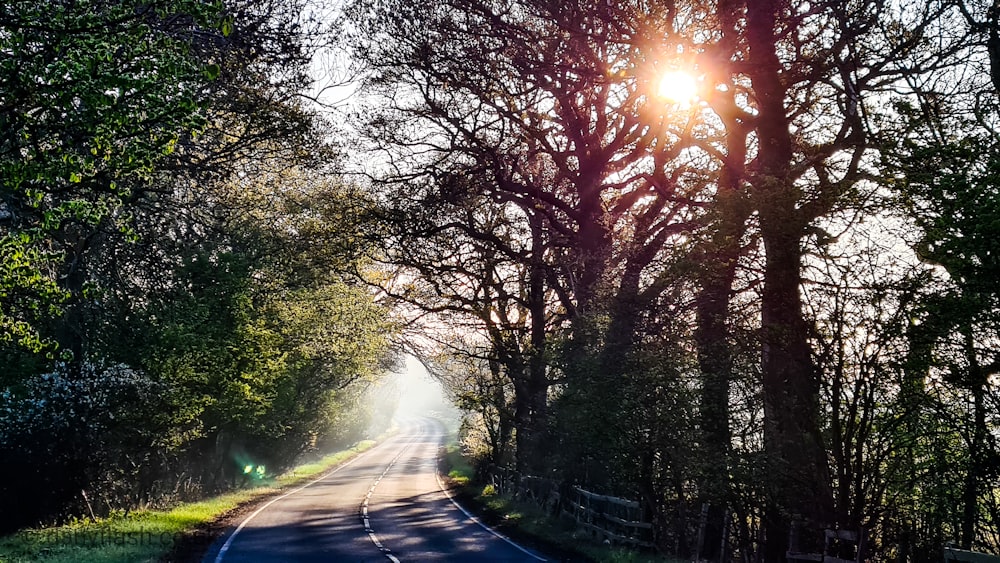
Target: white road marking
column 229, row 540
column 364, row 506
column 472, row 517
column 368, row 497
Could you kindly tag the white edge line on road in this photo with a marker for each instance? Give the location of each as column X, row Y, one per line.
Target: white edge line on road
column 481, row 525
column 229, row 540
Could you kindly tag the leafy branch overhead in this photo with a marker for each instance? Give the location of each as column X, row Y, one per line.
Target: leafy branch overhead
column 96, row 97
column 179, row 255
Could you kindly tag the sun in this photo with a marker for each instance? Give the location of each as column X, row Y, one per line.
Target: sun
column 678, row 87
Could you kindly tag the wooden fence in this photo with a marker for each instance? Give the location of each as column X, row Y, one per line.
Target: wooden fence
column 964, row 556
column 614, row 520
column 606, row 519
column 623, row 522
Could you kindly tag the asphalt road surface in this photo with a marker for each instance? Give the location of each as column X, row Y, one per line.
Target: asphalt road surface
column 385, row 505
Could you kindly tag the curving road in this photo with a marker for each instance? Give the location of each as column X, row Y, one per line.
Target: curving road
column 385, row 505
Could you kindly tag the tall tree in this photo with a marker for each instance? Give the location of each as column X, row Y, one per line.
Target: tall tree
column 564, row 127
column 479, row 263
column 96, row 97
column 812, row 74
column 949, row 188
column 795, row 451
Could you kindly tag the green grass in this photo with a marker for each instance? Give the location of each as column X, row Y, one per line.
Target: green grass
column 524, row 519
column 146, row 536
column 459, row 469
column 532, row 521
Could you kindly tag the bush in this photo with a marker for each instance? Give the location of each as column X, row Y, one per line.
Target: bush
column 62, row 434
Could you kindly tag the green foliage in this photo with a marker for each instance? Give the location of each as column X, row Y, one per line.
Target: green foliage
column 458, row 466
column 26, row 293
column 245, row 367
column 203, row 341
column 167, row 211
column 946, row 176
column 148, row 535
column 95, row 97
column 952, row 191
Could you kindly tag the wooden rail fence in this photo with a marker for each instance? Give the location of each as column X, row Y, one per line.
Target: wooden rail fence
column 964, row 556
column 613, row 520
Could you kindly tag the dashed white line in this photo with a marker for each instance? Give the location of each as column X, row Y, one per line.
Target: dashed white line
column 365, row 504
column 229, row 540
column 368, row 497
column 364, row 509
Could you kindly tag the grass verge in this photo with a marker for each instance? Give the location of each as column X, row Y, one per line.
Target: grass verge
column 150, row 535
column 528, row 524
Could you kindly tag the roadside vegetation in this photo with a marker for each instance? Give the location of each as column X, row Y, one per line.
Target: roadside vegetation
column 525, row 522
column 151, row 535
column 734, row 261
column 183, row 288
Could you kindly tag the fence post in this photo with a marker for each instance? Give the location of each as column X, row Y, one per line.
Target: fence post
column 702, row 523
column 725, row 535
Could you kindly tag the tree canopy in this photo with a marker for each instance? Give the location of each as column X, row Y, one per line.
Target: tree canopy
column 179, row 290
column 718, row 253
column 736, row 254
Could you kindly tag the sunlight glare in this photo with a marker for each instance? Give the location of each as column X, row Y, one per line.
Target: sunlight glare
column 678, row 87
column 420, row 393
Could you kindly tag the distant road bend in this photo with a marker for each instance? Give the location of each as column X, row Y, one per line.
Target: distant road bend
column 386, row 504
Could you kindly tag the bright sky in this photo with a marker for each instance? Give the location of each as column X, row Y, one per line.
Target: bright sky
column 419, row 393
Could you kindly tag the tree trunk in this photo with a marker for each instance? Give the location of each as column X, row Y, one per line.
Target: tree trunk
column 920, row 339
column 533, row 406
column 718, row 260
column 531, row 413
column 71, row 330
column 976, row 469
column 799, row 488
column 524, row 456
column 505, row 425
column 715, row 359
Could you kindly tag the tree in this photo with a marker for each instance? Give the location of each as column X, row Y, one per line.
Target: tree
column 809, row 74
column 477, row 268
column 175, row 233
column 948, row 186
column 96, row 97
column 562, row 132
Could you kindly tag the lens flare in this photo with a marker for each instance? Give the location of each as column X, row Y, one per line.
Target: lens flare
column 678, row 87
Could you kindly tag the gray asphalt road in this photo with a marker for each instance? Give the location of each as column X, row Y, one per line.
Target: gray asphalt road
column 385, row 505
